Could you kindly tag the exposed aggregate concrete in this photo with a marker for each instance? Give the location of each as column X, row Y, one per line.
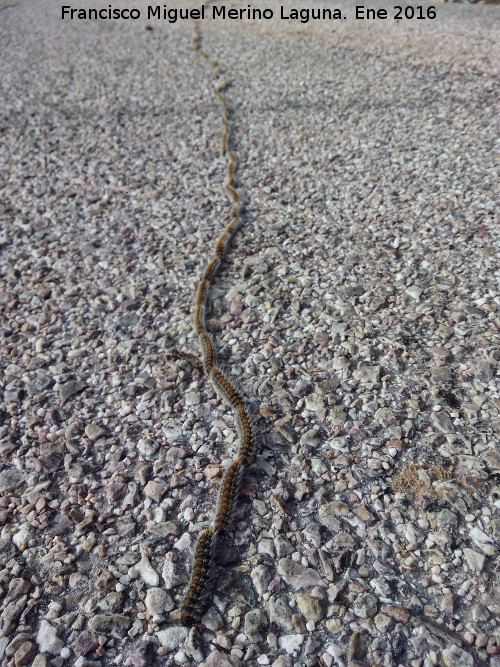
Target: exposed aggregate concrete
column 358, row 312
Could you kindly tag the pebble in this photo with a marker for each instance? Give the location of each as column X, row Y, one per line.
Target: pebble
column 261, row 578
column 10, row 615
column 291, row 643
column 364, row 514
column 255, row 624
column 282, row 661
column 482, row 540
column 144, row 570
column 47, row 639
column 95, row 431
column 397, row 612
column 474, row 559
column 171, row 638
column 84, row 643
column 367, row 374
column 312, row 438
column 312, row 608
column 383, row 623
column 10, row 479
column 415, row 292
column 155, row 490
column 219, row 659
column 71, row 388
column 169, row 574
column 328, row 517
column 492, row 459
column 297, row 575
column 158, row 601
column 280, row 613
column 456, row 657
column 24, row 654
column 213, row 620
column 141, row 656
column 117, row 623
column 17, row 587
column 443, row 421
column 40, row 661
column 365, row 605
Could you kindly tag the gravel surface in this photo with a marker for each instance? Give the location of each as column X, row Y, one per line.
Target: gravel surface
column 358, row 312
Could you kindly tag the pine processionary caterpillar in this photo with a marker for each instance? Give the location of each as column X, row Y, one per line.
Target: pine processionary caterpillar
column 231, row 162
column 222, row 244
column 233, row 226
column 227, row 496
column 197, row 319
column 208, row 350
column 236, row 209
column 246, row 434
column 224, row 143
column 222, row 100
column 246, row 450
column 199, row 323
column 232, row 192
column 226, row 389
column 243, row 420
column 211, row 269
column 200, row 577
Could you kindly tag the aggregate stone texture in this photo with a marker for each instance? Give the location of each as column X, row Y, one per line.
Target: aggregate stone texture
column 358, row 312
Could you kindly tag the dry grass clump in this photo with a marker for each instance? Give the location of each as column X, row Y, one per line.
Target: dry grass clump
column 417, row 479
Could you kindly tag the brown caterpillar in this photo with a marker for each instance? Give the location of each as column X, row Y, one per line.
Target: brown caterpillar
column 222, row 243
column 234, row 225
column 223, row 100
column 224, row 143
column 200, row 578
column 246, row 435
column 232, row 192
column 208, row 350
column 211, row 269
column 236, row 209
column 227, row 495
column 200, row 306
column 226, row 389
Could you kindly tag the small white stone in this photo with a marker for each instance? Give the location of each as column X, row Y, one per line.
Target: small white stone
column 171, row 637
column 22, row 537
column 291, row 643
column 47, row 639
column 474, row 559
column 482, row 540
column 168, row 574
column 144, row 570
column 415, row 292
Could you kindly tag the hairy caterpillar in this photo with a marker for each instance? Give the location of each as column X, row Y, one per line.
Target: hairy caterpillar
column 200, row 578
column 225, row 388
column 227, row 495
column 207, row 349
